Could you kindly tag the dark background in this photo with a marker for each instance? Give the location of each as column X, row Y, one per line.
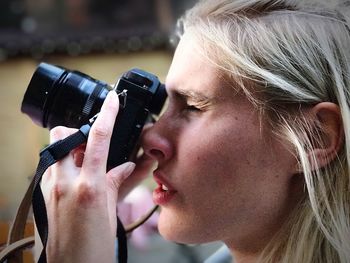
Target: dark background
column 40, row 27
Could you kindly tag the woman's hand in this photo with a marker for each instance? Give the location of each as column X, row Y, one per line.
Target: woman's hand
column 81, row 199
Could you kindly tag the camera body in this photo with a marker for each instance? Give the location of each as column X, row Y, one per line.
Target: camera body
column 59, row 97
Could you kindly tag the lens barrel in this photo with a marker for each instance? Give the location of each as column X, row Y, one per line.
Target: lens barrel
column 56, row 96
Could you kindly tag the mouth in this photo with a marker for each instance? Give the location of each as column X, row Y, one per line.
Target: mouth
column 164, row 192
column 164, row 187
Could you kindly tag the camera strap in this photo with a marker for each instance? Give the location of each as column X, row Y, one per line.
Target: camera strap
column 48, row 156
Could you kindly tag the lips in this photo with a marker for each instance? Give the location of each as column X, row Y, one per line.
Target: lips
column 164, row 191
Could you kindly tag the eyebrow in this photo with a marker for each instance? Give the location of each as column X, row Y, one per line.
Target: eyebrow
column 199, row 99
column 192, row 96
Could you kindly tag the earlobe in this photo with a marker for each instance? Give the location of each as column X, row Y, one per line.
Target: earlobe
column 330, row 133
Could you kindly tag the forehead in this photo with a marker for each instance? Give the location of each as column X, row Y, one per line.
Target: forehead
column 191, row 70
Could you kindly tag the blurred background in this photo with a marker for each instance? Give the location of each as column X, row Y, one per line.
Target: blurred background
column 103, row 39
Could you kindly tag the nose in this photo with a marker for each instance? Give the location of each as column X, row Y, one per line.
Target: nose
column 156, row 144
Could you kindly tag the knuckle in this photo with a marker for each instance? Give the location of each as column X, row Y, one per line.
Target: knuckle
column 100, row 131
column 96, row 158
column 57, row 133
column 87, row 194
column 60, row 132
column 58, row 192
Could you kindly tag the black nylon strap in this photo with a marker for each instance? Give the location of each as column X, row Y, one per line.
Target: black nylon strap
column 38, row 203
column 48, row 156
column 122, row 242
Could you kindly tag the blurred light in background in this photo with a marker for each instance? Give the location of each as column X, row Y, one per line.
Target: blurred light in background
column 41, row 27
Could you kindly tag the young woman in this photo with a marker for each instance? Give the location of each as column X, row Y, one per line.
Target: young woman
column 252, row 150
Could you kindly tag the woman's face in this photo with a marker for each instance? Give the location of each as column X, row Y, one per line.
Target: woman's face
column 228, row 177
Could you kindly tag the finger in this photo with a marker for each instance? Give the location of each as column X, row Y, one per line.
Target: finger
column 67, row 163
column 97, row 147
column 120, row 173
column 56, row 134
column 144, row 165
column 78, row 155
column 61, row 172
column 116, row 177
column 60, row 132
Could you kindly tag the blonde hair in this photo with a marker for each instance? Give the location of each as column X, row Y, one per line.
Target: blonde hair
column 286, row 55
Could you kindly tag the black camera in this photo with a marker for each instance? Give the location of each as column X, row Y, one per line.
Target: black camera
column 57, row 96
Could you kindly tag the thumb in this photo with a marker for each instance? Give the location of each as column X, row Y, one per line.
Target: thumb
column 143, row 168
column 115, row 178
column 117, row 175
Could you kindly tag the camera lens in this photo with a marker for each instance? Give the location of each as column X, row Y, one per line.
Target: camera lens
column 56, row 96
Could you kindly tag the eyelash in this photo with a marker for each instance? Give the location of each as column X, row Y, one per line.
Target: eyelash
column 192, row 108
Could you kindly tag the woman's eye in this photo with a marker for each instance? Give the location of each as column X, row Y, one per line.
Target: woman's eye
column 192, row 108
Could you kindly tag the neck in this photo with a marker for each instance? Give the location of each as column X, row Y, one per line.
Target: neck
column 244, row 256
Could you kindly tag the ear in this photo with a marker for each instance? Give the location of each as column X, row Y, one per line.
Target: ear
column 330, row 125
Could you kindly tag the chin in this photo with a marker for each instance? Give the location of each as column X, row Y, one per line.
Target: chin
column 171, row 234
column 180, row 230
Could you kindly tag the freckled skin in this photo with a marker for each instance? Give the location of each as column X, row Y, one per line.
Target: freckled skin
column 232, row 175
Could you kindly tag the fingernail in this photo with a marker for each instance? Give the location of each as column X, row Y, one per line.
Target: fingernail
column 128, row 167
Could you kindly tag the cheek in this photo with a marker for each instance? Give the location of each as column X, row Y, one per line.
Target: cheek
column 216, row 160
column 231, row 161
column 221, row 147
